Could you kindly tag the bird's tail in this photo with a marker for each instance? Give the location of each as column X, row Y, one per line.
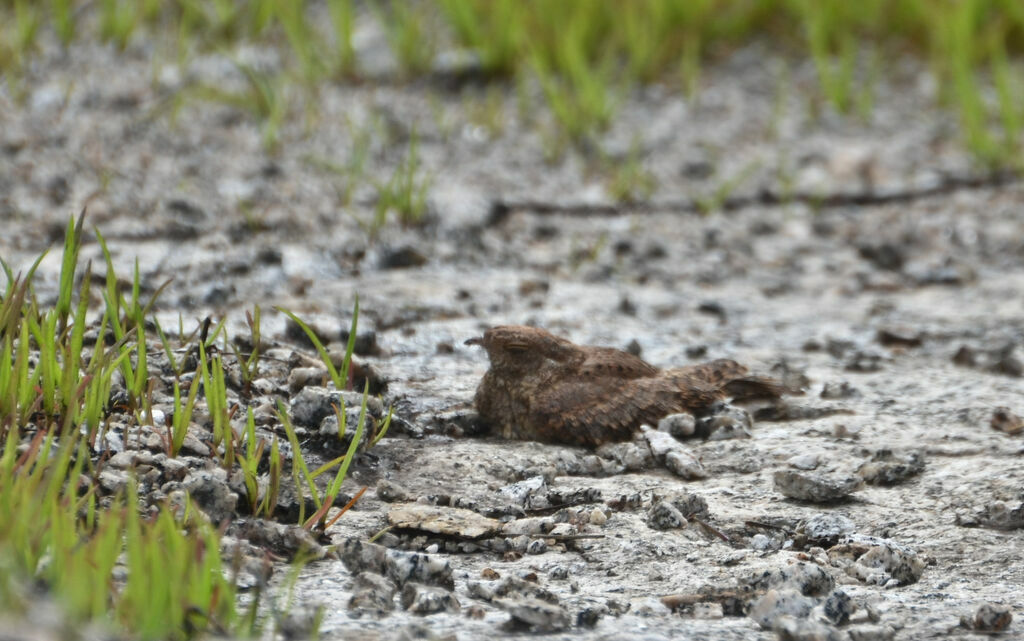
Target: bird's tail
column 730, row 379
column 753, row 388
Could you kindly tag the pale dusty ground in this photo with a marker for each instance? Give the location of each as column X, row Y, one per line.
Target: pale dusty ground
column 199, row 200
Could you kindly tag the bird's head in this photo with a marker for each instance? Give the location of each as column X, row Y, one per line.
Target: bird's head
column 517, row 350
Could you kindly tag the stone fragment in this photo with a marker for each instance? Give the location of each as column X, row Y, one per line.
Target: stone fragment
column 885, row 255
column 391, row 492
column 458, row 423
column 877, row 561
column 1006, row 421
column 113, row 481
column 131, row 458
column 775, row 603
column 685, row 465
column 372, row 594
column 522, row 492
column 330, row 428
column 529, row 526
column 298, row 622
column 626, row 502
column 664, row 516
column 790, row 628
column 300, row 377
column 727, row 422
column 763, row 543
column 708, row 611
column 401, row 257
column 899, row 337
column 511, row 587
column 871, row 632
column 174, row 469
column 1002, row 515
column 838, row 607
column 804, row 461
column 825, row 530
column 536, row 546
column 401, row 567
column 673, row 455
column 365, row 343
column 630, row 456
column 816, row 488
column 313, row 404
column 689, row 504
column 210, row 491
column 425, row 599
column 841, row 389
column 864, row 360
column 447, row 521
column 283, row 539
column 806, row 578
column 991, row 618
column 678, row 425
column 889, row 468
column 539, row 616
column 1001, row 359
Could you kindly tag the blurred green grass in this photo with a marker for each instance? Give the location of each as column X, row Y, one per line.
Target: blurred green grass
column 585, row 53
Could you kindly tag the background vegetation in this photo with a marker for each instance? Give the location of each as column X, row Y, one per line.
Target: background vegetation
column 583, row 53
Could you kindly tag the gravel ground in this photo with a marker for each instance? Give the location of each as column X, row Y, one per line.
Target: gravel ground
column 890, row 287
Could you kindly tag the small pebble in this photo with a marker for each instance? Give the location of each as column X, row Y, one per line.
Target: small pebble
column 825, row 530
column 372, row 593
column 678, row 425
column 391, row 492
column 841, row 389
column 1006, row 421
column 538, row 615
column 871, row 633
column 777, row 603
column 838, row 607
column 708, row 611
column 685, row 465
column 665, row 516
column 877, row 561
column 808, row 579
column 889, row 468
column 760, row 542
column 424, row 599
column 727, row 422
column 790, row 628
column 804, row 461
column 992, row 617
column 816, row 488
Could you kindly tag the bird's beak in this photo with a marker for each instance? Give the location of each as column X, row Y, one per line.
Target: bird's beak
column 476, row 340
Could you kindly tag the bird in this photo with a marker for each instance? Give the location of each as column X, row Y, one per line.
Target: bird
column 543, row 387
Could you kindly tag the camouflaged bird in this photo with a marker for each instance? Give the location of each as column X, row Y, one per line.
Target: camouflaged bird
column 545, row 388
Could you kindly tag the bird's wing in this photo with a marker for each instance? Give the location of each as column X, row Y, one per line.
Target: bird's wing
column 600, row 410
column 608, row 361
column 713, row 373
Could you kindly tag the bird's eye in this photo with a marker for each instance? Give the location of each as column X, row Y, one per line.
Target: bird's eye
column 516, row 347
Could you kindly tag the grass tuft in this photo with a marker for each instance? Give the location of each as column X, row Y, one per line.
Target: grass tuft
column 149, row 572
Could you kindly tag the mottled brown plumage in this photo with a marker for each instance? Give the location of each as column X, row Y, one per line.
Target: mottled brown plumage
column 545, row 388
